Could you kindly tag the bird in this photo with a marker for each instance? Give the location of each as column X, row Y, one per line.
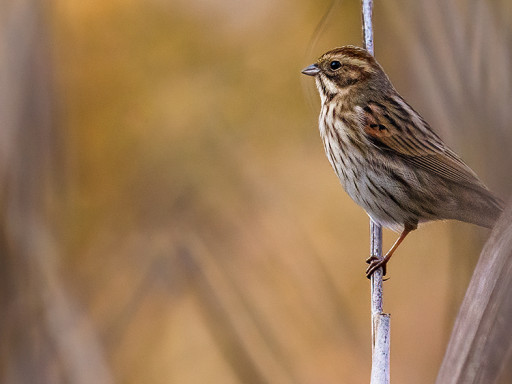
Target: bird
column 387, row 157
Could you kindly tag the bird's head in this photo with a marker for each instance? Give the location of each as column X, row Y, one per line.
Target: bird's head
column 345, row 68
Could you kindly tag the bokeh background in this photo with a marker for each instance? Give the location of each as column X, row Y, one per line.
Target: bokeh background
column 168, row 213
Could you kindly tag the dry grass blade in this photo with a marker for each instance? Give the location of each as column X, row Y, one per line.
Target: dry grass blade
column 481, row 342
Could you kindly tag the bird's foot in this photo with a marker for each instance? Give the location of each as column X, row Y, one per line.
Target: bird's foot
column 376, row 263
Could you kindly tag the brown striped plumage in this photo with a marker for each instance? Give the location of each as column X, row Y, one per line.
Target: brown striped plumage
column 388, row 159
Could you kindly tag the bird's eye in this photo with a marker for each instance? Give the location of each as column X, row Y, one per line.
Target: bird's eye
column 335, row 65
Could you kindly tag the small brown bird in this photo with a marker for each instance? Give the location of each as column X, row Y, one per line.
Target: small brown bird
column 388, row 159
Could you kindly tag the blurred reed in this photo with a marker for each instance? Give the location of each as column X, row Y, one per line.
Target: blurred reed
column 46, row 336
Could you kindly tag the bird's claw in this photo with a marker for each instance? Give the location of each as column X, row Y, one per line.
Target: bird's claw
column 375, row 263
column 372, row 258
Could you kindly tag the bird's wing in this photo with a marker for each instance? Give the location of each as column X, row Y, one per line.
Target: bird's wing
column 396, row 131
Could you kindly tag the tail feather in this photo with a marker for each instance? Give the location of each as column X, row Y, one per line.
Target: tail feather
column 478, row 207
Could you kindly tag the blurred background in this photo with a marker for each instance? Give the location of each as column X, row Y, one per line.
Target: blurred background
column 168, row 213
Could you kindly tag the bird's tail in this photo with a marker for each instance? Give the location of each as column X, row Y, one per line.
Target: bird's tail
column 478, row 207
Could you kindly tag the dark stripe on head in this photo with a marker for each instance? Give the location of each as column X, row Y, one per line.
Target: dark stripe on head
column 328, row 95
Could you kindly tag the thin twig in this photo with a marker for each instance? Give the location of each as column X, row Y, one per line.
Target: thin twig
column 367, row 25
column 376, row 280
column 380, row 321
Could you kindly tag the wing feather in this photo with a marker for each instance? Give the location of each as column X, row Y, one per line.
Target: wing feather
column 418, row 145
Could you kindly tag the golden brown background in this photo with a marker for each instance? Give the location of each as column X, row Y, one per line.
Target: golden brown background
column 168, row 213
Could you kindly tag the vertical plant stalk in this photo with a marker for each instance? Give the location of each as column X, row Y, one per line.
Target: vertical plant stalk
column 380, row 321
column 367, row 6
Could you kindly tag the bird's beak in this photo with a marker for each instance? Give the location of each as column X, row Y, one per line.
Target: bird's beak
column 312, row 70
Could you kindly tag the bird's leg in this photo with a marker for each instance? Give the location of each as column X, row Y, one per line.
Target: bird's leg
column 376, row 263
